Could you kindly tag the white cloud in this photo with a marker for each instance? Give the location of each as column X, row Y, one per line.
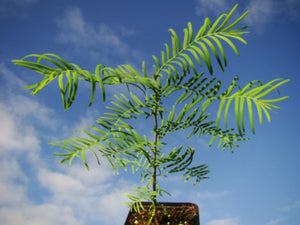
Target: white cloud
column 74, row 30
column 261, row 12
column 18, row 117
column 17, row 208
column 90, row 194
column 22, row 106
column 285, row 209
column 12, row 193
column 63, row 194
column 45, row 214
column 11, row 82
column 115, row 209
column 292, row 206
column 76, row 180
column 13, row 135
column 95, row 43
column 204, row 7
column 84, row 123
column 75, row 194
column 21, row 119
column 17, row 146
column 18, row 114
column 228, row 221
column 60, row 183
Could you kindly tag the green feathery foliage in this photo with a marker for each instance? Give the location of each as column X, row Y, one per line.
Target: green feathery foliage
column 176, row 76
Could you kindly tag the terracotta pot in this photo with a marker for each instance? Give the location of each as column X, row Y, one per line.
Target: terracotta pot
column 168, row 213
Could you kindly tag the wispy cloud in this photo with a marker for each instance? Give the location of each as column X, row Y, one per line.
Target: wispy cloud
column 275, row 221
column 228, row 221
column 284, row 210
column 73, row 194
column 203, row 7
column 18, row 116
column 87, row 192
column 20, row 144
column 10, row 82
column 261, row 12
column 78, row 32
column 292, row 206
column 12, row 193
column 13, row 133
column 44, row 214
column 97, row 39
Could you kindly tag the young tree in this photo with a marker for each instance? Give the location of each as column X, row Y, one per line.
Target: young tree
column 176, row 77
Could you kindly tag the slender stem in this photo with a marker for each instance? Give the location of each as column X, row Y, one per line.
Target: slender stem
column 155, row 152
column 155, row 157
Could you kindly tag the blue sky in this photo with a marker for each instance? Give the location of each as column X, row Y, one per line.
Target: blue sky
column 258, row 184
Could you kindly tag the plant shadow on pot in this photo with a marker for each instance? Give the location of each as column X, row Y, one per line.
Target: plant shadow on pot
column 168, row 213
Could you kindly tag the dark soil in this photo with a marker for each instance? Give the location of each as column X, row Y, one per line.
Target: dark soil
column 185, row 214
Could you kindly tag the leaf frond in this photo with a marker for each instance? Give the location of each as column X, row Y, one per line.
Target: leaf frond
column 252, row 94
column 197, row 46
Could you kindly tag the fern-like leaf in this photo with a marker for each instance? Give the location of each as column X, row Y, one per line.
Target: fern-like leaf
column 252, row 94
column 196, row 48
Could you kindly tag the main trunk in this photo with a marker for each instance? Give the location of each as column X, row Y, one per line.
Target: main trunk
column 154, row 175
